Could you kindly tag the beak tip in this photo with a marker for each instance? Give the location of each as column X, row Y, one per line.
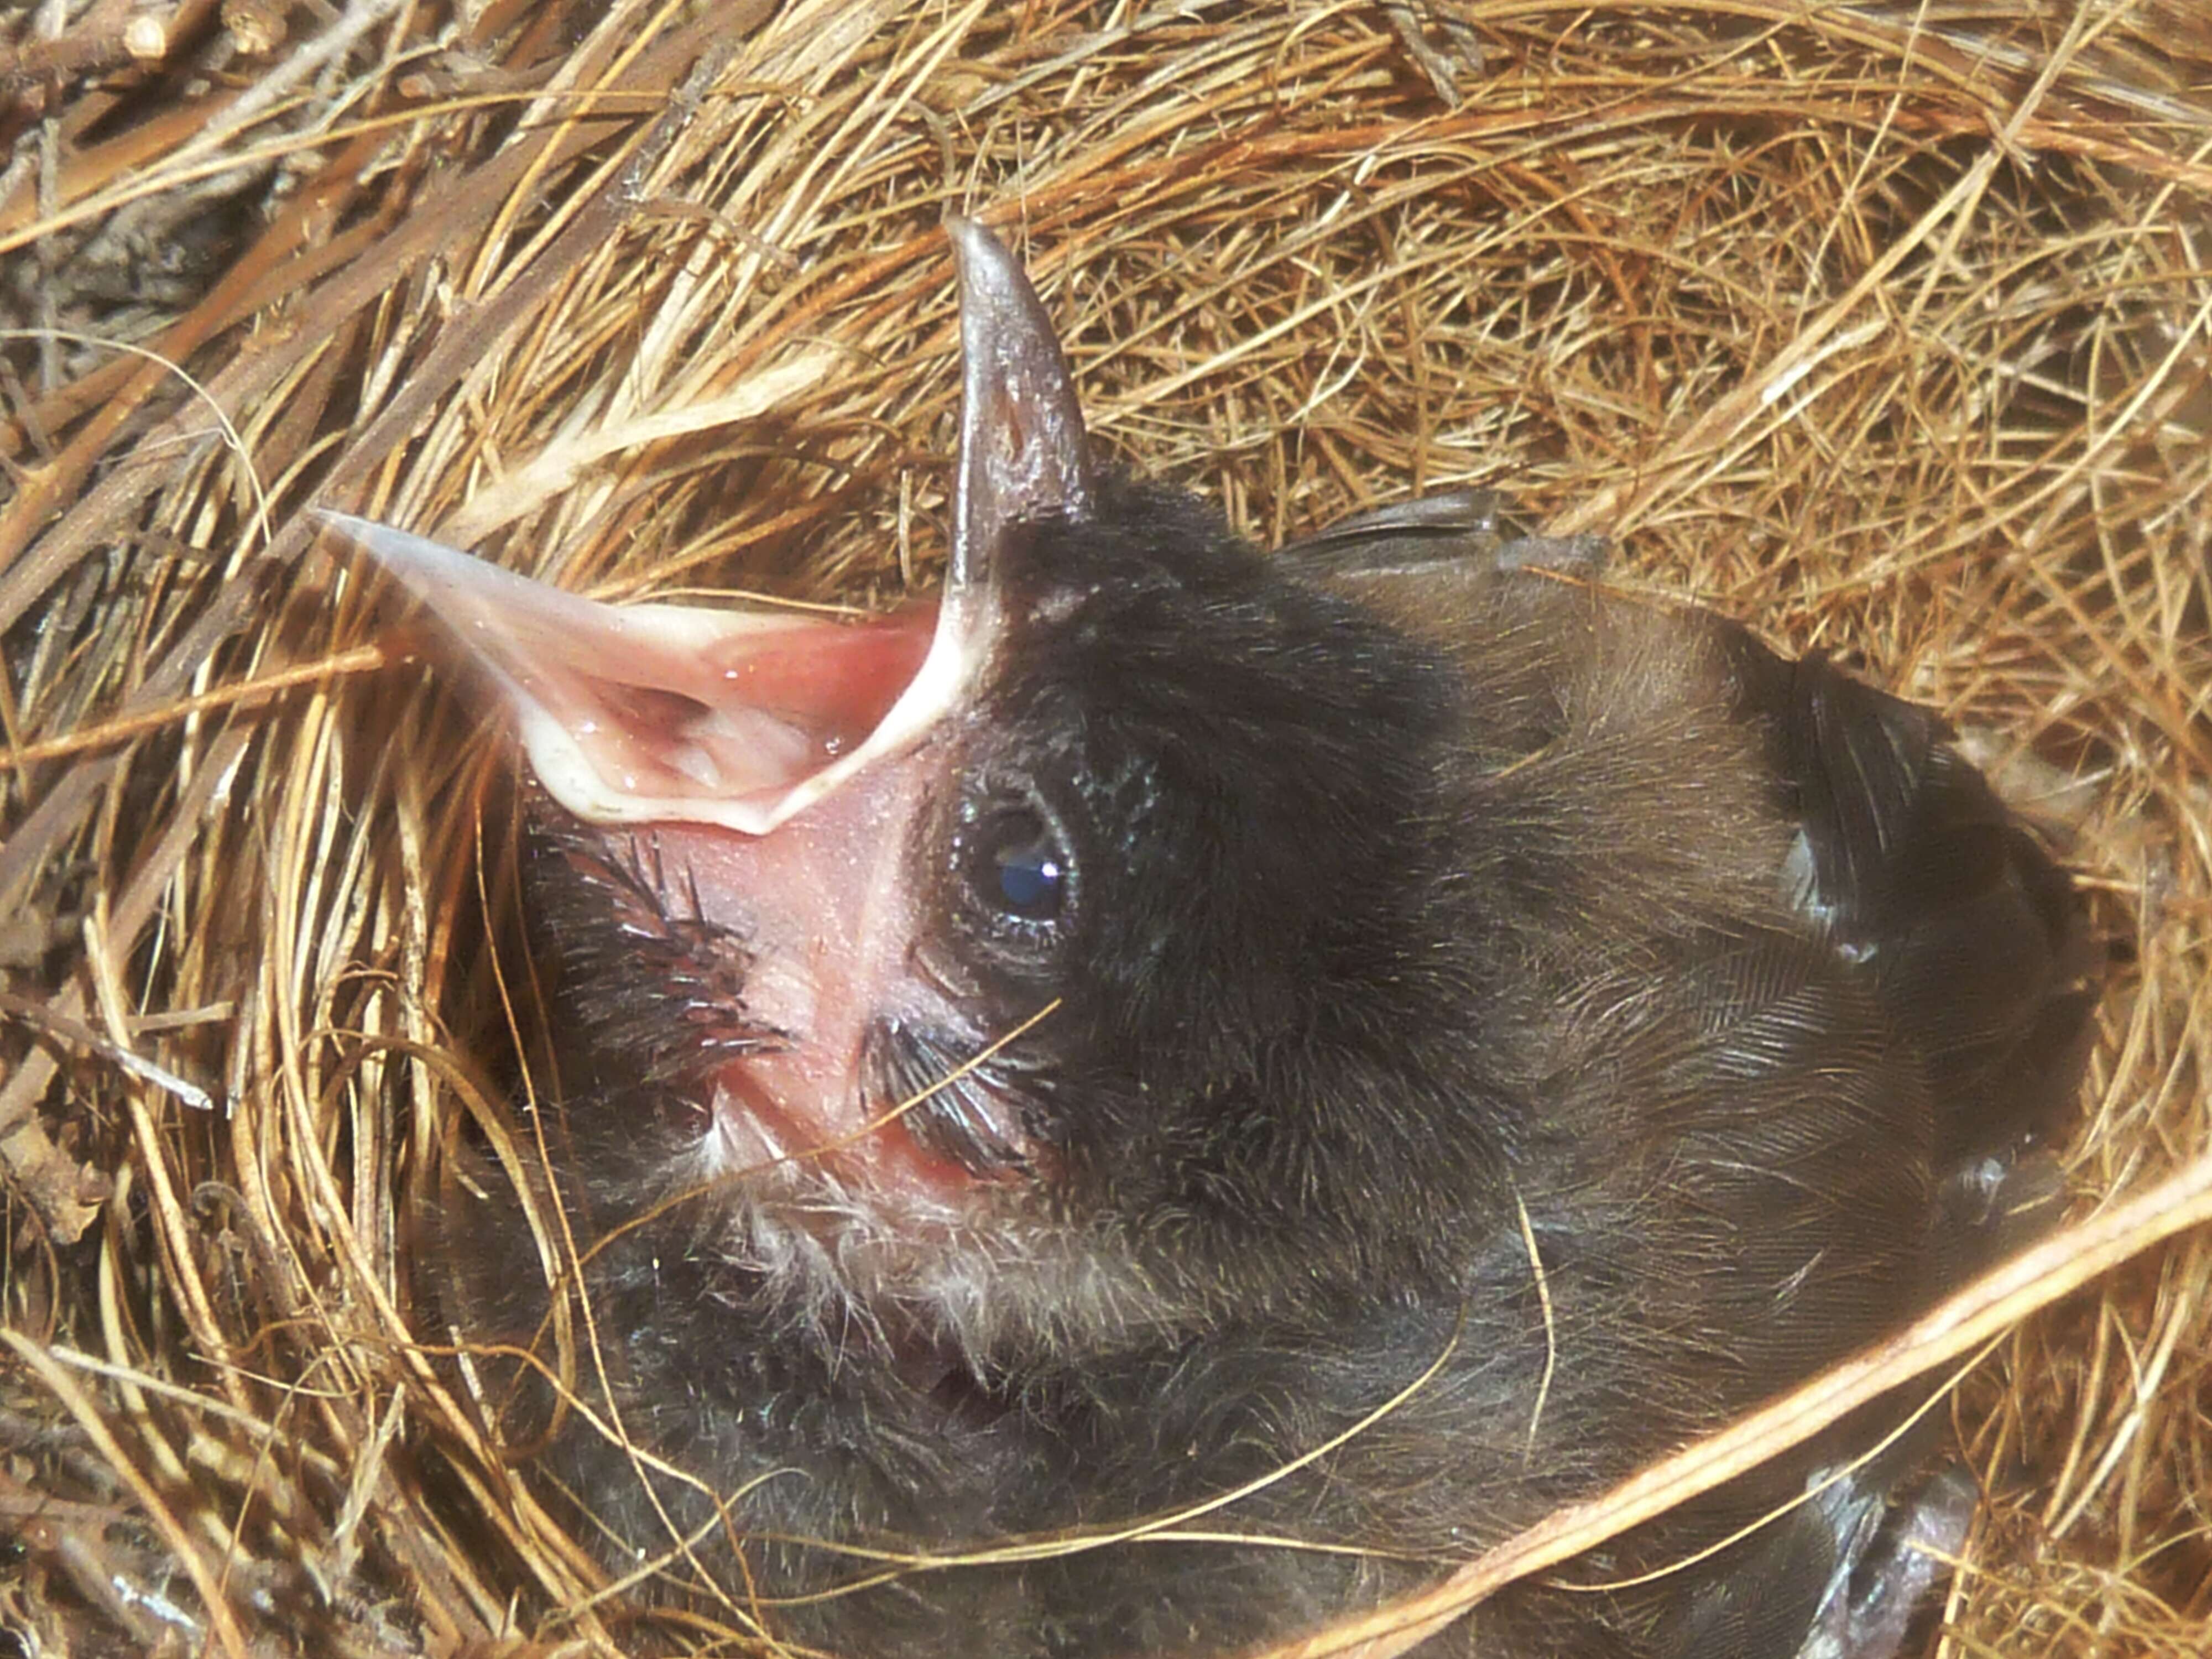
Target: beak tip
column 966, row 236
column 345, row 524
column 993, row 285
column 435, row 574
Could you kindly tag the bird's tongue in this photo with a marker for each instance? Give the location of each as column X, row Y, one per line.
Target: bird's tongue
column 776, row 763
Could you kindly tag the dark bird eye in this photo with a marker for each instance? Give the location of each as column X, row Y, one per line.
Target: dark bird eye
column 1019, row 867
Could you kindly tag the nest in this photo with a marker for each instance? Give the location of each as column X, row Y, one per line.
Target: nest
column 1882, row 327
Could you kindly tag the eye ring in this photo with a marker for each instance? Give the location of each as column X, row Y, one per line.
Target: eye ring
column 1012, row 857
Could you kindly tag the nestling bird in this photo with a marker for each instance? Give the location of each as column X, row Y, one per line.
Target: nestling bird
column 1332, row 1054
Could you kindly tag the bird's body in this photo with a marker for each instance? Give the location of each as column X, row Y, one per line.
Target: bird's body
column 1390, row 1040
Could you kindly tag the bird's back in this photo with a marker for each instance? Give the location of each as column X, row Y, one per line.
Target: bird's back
column 1800, row 1003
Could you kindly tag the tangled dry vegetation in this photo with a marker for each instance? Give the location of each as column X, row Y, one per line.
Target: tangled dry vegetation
column 1883, row 327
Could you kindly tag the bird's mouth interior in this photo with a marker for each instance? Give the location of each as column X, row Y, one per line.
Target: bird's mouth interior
column 654, row 714
column 808, row 692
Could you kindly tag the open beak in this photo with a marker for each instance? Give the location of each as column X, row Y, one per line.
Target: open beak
column 655, row 713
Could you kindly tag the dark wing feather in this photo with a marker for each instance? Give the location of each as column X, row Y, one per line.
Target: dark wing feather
column 1979, row 944
column 1412, row 536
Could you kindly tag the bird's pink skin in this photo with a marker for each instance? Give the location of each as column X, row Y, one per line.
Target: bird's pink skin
column 833, row 899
